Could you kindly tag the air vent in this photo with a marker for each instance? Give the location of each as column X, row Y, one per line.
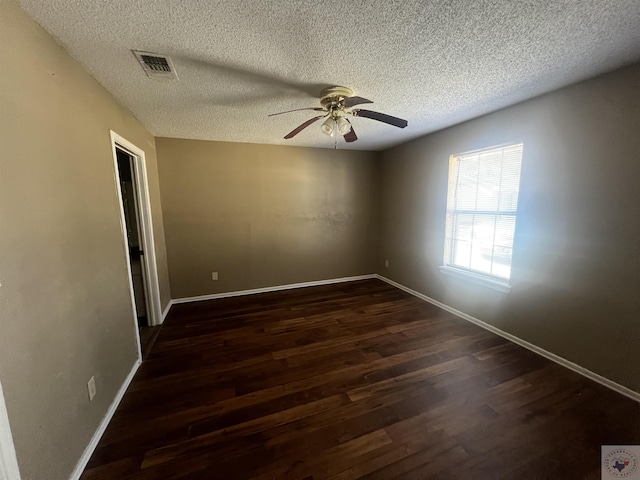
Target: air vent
column 156, row 66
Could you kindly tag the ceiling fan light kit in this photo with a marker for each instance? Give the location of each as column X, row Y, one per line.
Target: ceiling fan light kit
column 343, row 125
column 337, row 102
column 338, row 124
column 328, row 127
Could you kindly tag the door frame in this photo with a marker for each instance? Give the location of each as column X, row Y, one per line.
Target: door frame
column 141, row 185
column 8, row 462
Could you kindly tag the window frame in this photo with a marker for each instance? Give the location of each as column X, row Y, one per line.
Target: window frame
column 475, row 276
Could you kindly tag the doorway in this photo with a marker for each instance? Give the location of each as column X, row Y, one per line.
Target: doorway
column 138, row 238
column 132, row 227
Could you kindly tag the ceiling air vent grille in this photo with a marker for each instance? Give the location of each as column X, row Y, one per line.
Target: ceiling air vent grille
column 156, row 66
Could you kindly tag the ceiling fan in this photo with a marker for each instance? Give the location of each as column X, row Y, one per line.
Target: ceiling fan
column 337, row 103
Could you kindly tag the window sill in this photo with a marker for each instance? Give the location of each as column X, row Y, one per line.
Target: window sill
column 476, row 278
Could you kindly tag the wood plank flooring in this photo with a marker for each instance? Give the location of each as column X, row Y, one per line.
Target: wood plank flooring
column 354, row 380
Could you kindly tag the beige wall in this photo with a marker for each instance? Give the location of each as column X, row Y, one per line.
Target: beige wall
column 264, row 215
column 576, row 265
column 65, row 308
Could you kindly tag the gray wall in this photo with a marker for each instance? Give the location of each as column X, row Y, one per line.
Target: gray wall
column 65, row 306
column 576, row 265
column 264, row 215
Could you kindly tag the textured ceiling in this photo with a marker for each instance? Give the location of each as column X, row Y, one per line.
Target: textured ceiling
column 433, row 63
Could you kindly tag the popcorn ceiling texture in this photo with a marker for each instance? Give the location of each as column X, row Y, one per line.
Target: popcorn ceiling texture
column 434, row 63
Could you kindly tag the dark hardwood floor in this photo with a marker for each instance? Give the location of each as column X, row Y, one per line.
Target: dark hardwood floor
column 355, row 380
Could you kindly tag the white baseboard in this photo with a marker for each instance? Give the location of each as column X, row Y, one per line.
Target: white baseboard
column 166, row 311
column 621, row 389
column 237, row 293
column 86, row 455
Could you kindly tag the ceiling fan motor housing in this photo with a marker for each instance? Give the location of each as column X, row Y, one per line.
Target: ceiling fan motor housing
column 332, row 98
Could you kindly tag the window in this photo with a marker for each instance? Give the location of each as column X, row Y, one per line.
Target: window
column 481, row 213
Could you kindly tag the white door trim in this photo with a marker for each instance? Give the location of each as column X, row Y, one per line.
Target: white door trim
column 146, row 225
column 8, row 462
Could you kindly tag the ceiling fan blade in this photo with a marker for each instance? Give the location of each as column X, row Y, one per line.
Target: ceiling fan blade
column 353, row 101
column 297, row 130
column 297, row 110
column 350, row 136
column 381, row 117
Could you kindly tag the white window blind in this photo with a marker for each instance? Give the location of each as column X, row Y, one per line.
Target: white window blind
column 481, row 210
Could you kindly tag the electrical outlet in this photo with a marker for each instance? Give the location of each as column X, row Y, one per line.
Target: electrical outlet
column 91, row 387
column 386, row 263
column 214, row 275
